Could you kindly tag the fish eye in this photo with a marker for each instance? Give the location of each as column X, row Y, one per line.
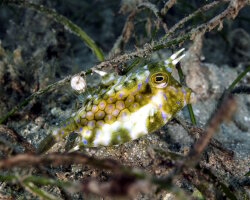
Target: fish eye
column 159, row 80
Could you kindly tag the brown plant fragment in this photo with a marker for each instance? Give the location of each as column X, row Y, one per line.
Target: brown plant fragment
column 119, row 186
column 195, row 75
column 15, row 139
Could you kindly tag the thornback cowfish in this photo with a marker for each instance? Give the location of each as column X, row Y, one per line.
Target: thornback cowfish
column 125, row 108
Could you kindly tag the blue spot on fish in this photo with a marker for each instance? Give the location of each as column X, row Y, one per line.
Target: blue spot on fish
column 163, row 116
column 84, row 141
column 139, row 86
column 178, row 103
column 88, row 132
column 164, row 96
column 146, row 81
column 80, row 129
column 62, row 132
column 169, row 69
column 183, row 91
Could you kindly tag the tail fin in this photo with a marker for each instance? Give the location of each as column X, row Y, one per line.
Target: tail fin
column 46, row 144
column 57, row 135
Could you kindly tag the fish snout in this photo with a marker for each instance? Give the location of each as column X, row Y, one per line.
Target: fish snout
column 192, row 98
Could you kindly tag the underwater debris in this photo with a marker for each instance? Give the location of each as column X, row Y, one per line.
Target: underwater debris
column 78, row 83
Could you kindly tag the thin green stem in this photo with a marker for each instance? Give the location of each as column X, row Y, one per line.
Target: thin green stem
column 69, row 25
column 247, row 174
column 191, row 114
column 8, row 178
column 172, row 42
column 31, row 183
column 132, row 65
column 43, row 181
column 38, row 192
column 47, row 181
column 190, row 108
column 237, row 80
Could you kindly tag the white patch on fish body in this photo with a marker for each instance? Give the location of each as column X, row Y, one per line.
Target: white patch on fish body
column 157, row 99
column 135, row 124
column 101, row 137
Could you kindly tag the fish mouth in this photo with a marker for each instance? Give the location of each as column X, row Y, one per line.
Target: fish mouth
column 192, row 98
column 161, row 85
